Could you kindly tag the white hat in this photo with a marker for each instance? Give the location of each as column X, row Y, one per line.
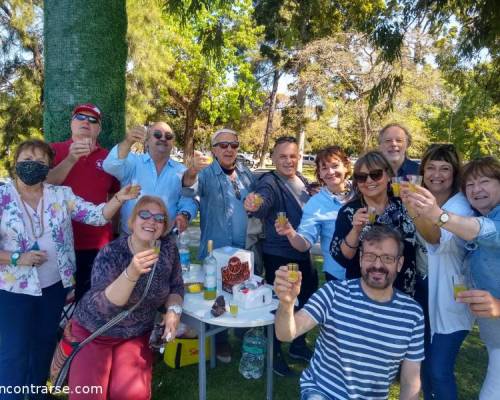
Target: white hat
column 221, row 131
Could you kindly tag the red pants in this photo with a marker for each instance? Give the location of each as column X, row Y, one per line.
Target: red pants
column 122, row 367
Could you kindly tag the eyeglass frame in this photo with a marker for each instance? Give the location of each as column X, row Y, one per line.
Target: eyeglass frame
column 84, row 117
column 147, row 215
column 224, row 145
column 396, row 258
column 157, row 134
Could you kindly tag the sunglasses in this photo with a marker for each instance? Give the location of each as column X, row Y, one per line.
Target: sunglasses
column 146, row 214
column 375, row 175
column 83, row 117
column 225, row 145
column 159, row 134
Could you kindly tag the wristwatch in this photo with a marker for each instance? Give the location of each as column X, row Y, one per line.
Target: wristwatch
column 443, row 219
column 14, row 258
column 176, row 308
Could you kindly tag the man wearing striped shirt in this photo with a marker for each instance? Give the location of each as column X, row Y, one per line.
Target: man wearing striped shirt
column 368, row 329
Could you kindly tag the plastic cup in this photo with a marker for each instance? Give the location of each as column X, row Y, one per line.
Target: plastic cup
column 135, row 187
column 233, row 308
column 282, row 219
column 415, row 180
column 458, row 285
column 293, row 272
column 257, row 200
column 372, row 215
column 395, row 183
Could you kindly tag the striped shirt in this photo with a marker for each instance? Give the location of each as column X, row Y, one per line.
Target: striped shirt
column 362, row 342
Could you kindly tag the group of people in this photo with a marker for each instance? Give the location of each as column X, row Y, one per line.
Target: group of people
column 391, row 252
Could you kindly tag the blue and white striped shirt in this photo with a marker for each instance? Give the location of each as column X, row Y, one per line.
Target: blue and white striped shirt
column 362, row 342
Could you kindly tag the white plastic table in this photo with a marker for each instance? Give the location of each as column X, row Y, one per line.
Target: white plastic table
column 196, row 314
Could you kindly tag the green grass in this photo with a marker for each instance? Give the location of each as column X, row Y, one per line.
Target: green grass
column 224, row 382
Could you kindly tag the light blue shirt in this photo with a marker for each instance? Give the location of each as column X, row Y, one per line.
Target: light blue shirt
column 222, row 217
column 484, row 256
column 167, row 185
column 318, row 221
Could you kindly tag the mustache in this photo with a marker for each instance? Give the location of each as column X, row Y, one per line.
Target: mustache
column 380, row 270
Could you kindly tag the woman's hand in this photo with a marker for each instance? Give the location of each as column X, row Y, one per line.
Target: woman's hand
column 141, row 263
column 33, row 258
column 171, row 321
column 420, row 201
column 126, row 193
column 360, row 219
column 481, row 303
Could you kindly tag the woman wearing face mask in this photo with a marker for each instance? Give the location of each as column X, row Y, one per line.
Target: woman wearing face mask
column 372, row 203
column 449, row 321
column 320, row 212
column 37, row 262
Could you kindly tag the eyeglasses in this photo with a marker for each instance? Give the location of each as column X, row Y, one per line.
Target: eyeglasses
column 236, row 189
column 83, row 117
column 384, row 258
column 225, row 145
column 159, row 134
column 146, row 214
column 375, row 175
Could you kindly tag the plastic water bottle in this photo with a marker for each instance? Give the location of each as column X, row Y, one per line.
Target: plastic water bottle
column 184, row 254
column 210, row 269
column 254, row 354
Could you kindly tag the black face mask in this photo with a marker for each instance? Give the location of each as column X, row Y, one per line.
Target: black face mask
column 31, row 172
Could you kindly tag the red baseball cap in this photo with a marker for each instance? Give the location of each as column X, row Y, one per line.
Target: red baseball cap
column 90, row 108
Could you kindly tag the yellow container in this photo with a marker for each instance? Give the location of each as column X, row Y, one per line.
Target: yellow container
column 182, row 352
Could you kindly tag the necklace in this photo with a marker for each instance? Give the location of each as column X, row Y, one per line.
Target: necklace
column 42, row 226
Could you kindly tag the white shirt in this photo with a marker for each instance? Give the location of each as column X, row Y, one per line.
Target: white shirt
column 445, row 260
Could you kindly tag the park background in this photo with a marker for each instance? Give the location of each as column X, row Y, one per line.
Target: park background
column 328, row 72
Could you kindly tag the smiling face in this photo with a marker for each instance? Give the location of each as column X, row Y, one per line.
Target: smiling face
column 81, row 130
column 373, row 188
column 438, row 177
column 333, row 173
column 286, row 158
column 393, row 144
column 226, row 157
column 147, row 230
column 160, row 146
column 483, row 193
column 375, row 273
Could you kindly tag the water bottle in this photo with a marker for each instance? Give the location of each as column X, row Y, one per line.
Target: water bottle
column 210, row 269
column 253, row 355
column 184, row 255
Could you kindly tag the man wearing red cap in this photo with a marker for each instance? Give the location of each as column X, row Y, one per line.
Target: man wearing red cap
column 78, row 164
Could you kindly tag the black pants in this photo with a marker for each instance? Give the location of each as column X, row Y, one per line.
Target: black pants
column 84, row 262
column 307, row 289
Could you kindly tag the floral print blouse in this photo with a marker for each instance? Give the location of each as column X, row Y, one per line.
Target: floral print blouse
column 61, row 206
column 396, row 216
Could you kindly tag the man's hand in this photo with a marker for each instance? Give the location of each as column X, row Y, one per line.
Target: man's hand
column 77, row 150
column 200, row 161
column 135, row 135
column 252, row 202
column 286, row 291
column 481, row 302
column 181, row 222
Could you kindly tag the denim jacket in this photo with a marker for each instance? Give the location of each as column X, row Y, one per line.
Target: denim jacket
column 212, row 187
column 484, row 254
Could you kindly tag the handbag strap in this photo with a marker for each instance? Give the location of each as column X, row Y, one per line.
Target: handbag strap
column 102, row 329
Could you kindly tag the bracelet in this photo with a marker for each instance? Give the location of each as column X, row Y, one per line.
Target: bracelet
column 348, row 245
column 128, row 277
column 117, row 199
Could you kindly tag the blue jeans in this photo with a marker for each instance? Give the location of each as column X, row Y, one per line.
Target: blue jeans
column 28, row 336
column 439, row 365
column 312, row 394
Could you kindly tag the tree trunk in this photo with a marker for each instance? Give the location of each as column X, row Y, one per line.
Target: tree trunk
column 189, row 133
column 85, row 57
column 301, row 132
column 270, row 117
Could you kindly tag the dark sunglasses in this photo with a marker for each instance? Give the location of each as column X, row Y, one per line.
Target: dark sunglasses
column 225, row 145
column 375, row 175
column 83, row 117
column 146, row 214
column 159, row 134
